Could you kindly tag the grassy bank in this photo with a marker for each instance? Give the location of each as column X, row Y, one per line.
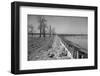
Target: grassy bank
column 37, row 46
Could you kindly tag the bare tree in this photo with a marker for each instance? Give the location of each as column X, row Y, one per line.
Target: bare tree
column 30, row 28
column 50, row 30
column 53, row 31
column 42, row 25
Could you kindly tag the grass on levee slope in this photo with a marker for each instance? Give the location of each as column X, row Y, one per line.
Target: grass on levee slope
column 37, row 46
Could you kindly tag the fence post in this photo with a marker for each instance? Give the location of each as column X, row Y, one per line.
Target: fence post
column 82, row 56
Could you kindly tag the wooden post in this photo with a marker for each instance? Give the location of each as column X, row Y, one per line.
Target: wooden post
column 82, row 56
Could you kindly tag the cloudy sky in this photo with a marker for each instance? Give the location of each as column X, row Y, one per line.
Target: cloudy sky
column 62, row 24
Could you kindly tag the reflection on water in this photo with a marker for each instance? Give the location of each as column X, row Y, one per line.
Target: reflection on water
column 80, row 40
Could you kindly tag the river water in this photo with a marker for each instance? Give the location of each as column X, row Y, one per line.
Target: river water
column 80, row 40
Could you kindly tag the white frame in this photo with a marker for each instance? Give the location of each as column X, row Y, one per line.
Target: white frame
column 24, row 64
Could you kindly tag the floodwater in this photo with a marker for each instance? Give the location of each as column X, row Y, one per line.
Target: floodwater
column 80, row 40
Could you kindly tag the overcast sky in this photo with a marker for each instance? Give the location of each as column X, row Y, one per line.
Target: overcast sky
column 62, row 24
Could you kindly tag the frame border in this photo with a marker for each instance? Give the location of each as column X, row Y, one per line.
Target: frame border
column 15, row 37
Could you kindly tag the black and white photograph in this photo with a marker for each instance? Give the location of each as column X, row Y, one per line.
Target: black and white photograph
column 52, row 37
column 57, row 37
